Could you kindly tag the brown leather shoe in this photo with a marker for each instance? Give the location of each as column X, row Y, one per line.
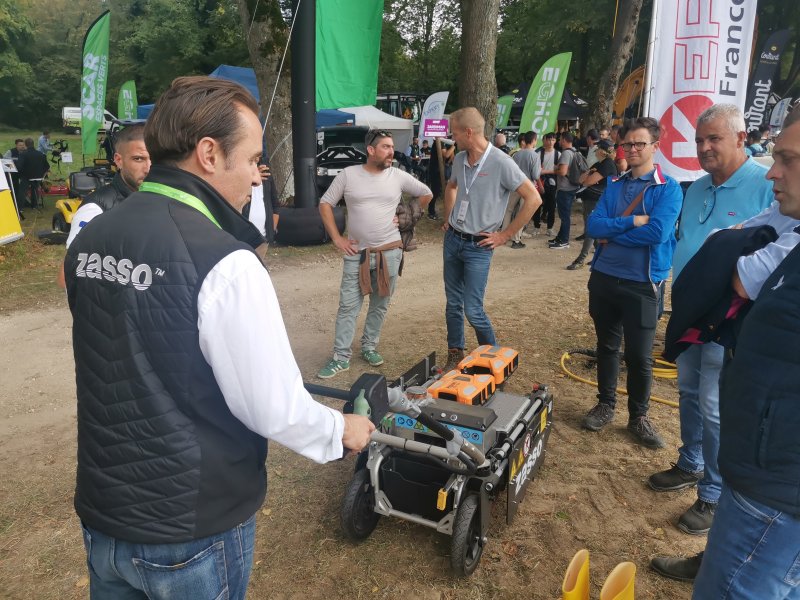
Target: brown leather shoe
column 454, row 356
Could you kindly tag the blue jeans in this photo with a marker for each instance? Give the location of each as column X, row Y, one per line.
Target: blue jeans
column 466, row 271
column 752, row 552
column 214, row 567
column 699, row 369
column 564, row 206
column 351, row 299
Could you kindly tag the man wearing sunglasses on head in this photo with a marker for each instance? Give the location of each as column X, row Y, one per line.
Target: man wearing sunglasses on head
column 634, row 223
column 373, row 249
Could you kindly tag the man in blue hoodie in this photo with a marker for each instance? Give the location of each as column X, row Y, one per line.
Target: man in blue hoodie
column 635, row 224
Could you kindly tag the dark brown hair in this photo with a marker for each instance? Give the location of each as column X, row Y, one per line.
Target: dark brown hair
column 191, row 109
column 131, row 133
column 649, row 123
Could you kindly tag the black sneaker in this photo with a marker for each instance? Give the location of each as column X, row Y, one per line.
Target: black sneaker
column 559, row 245
column 697, row 520
column 677, row 567
column 517, row 245
column 673, row 479
column 575, row 265
column 598, row 417
column 644, row 432
column 581, row 237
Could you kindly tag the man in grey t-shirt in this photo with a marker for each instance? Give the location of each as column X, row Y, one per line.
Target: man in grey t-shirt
column 566, row 192
column 475, row 202
column 528, row 161
column 373, row 249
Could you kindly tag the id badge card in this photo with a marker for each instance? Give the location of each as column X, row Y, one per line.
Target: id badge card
column 461, row 216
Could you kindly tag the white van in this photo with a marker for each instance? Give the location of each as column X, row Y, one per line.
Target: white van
column 71, row 119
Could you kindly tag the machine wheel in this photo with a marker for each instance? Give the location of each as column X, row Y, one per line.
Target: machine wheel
column 358, row 514
column 60, row 223
column 466, row 547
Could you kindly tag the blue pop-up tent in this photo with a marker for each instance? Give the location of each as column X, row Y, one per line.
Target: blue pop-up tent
column 247, row 77
column 330, row 117
column 242, row 75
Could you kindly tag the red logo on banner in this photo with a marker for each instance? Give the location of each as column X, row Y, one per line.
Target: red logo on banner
column 678, row 126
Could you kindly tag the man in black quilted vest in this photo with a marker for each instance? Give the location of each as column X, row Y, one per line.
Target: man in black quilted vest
column 182, row 362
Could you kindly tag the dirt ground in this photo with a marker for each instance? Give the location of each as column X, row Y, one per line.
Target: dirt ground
column 591, row 492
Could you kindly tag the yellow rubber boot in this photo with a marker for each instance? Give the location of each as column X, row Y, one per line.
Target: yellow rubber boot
column 619, row 583
column 576, row 579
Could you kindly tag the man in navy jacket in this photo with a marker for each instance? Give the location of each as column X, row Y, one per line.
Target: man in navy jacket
column 752, row 549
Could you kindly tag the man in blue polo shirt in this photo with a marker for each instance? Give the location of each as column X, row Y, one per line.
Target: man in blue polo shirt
column 734, row 190
column 634, row 223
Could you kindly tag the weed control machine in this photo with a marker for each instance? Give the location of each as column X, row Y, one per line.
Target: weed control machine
column 446, row 446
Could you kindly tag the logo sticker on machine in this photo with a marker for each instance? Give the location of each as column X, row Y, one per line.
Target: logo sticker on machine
column 471, row 435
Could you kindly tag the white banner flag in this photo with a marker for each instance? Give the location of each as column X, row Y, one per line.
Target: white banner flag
column 433, row 109
column 700, row 55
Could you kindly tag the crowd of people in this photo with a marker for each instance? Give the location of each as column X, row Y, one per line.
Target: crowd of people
column 31, row 168
column 184, row 369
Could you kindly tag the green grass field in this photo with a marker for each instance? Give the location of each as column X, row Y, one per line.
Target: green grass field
column 28, row 267
column 57, row 171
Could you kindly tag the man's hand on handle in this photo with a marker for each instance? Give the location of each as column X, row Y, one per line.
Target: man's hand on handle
column 357, row 430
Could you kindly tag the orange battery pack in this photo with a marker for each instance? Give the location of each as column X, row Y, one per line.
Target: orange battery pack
column 496, row 361
column 463, row 388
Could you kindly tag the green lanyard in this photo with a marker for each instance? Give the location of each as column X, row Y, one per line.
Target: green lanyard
column 180, row 196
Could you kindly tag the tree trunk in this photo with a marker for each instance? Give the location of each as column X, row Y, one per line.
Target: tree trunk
column 267, row 35
column 621, row 50
column 477, row 84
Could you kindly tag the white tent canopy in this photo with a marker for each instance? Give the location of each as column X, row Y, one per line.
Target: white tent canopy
column 401, row 129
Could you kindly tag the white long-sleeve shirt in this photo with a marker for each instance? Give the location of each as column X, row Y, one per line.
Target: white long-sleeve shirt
column 243, row 338
column 755, row 268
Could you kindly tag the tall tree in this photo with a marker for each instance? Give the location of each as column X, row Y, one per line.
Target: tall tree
column 477, row 84
column 423, row 26
column 267, row 35
column 621, row 49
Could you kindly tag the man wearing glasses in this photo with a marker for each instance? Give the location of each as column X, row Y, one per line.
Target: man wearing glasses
column 474, row 206
column 635, row 224
column 735, row 189
column 373, row 250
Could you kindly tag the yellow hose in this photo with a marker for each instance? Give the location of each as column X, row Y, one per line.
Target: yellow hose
column 669, row 371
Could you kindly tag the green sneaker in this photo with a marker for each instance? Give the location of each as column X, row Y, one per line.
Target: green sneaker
column 373, row 358
column 332, row 368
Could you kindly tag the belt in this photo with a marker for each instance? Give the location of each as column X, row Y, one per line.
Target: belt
column 467, row 236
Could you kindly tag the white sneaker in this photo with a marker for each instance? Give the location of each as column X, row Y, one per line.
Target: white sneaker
column 549, row 233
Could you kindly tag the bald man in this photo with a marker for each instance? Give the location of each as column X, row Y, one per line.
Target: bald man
column 475, row 201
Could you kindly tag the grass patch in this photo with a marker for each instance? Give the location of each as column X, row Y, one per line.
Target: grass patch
column 29, row 268
column 57, row 171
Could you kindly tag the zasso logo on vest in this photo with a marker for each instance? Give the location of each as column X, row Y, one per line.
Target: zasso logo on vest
column 94, row 266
